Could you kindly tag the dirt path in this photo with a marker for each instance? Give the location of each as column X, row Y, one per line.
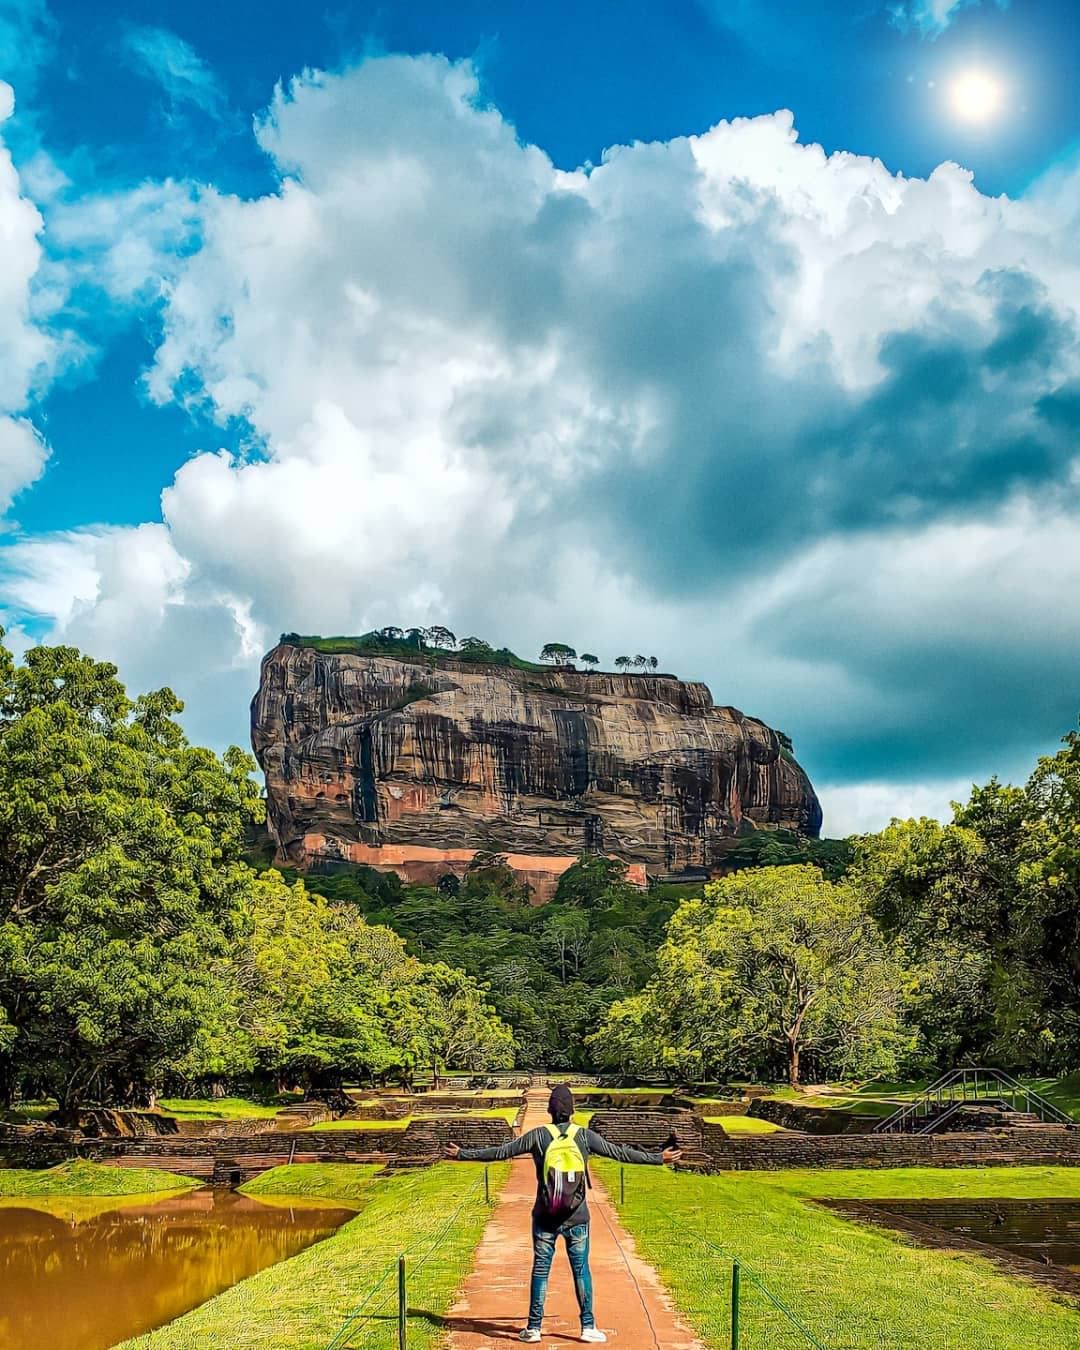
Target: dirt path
column 630, row 1303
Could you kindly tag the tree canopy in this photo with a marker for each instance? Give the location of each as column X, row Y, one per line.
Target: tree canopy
column 771, row 966
column 135, row 941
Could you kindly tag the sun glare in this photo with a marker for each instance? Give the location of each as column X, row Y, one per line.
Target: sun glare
column 975, row 95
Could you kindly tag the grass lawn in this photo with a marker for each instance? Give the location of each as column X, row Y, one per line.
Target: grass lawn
column 80, row 1177
column 19, row 1115
column 854, row 1286
column 1063, row 1092
column 435, row 1215
column 324, row 1181
column 507, row 1113
column 359, row 1124
column 217, row 1108
column 744, row 1125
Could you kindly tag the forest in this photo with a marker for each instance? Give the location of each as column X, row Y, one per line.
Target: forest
column 145, row 946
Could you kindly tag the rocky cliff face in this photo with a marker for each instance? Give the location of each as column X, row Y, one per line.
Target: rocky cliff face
column 413, row 765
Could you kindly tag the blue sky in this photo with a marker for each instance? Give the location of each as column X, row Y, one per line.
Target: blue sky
column 550, row 323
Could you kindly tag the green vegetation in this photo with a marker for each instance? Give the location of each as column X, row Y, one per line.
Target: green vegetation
column 550, row 972
column 80, row 1177
column 438, row 642
column 138, row 951
column 1063, row 1092
column 346, row 1124
column 437, row 1215
column 216, row 1108
column 772, row 964
column 855, row 1287
column 327, row 1181
column 141, row 955
column 507, row 1113
column 782, row 848
column 414, row 644
column 744, row 1125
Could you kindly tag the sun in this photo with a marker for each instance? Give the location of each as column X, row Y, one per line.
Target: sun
column 975, row 95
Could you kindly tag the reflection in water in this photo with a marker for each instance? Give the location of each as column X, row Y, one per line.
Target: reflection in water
column 83, row 1285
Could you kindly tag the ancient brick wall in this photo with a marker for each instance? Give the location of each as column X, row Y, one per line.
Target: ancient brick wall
column 419, row 1138
column 1053, row 1146
column 650, row 1127
column 810, row 1119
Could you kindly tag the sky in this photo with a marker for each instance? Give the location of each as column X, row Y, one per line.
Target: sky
column 741, row 332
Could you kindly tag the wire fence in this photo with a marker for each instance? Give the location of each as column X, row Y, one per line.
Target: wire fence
column 726, row 1300
column 729, row 1302
column 384, row 1318
column 752, row 1316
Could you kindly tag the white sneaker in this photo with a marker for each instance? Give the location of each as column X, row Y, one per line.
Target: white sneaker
column 593, row 1334
column 528, row 1334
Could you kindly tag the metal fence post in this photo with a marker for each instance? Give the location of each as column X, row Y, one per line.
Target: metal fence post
column 402, row 1331
column 622, row 1185
column 736, row 1280
column 487, row 1186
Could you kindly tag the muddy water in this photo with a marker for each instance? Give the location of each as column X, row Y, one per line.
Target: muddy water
column 74, row 1280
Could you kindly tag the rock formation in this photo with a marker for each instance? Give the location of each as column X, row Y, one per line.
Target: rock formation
column 414, row 763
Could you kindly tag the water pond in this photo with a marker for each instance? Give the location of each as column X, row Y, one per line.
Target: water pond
column 81, row 1274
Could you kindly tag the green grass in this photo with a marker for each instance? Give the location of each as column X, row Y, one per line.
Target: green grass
column 327, row 1181
column 856, row 1287
column 19, row 1115
column 507, row 1113
column 583, row 1117
column 346, row 1124
column 1063, row 1092
column 80, row 1177
column 435, row 1215
column 744, row 1125
column 217, row 1108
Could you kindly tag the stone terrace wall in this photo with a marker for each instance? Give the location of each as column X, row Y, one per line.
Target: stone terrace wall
column 811, row 1119
column 1053, row 1146
column 420, row 1139
column 651, row 1128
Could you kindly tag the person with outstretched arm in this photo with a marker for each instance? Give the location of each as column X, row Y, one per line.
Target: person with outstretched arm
column 560, row 1152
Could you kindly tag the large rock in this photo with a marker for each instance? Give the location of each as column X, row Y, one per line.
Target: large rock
column 413, row 764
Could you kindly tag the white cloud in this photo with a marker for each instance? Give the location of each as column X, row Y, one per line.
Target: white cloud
column 861, row 808
column 27, row 354
column 799, row 425
column 166, row 58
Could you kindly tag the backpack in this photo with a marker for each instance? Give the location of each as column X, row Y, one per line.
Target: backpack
column 565, row 1173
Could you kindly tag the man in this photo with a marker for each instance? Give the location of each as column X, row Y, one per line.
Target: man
column 561, row 1154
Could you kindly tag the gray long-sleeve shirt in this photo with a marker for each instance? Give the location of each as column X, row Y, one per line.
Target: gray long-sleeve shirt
column 536, row 1143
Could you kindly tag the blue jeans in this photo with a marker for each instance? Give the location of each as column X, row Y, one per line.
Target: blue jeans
column 576, row 1237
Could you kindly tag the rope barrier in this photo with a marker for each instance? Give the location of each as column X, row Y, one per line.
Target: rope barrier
column 749, row 1273
column 348, row 1328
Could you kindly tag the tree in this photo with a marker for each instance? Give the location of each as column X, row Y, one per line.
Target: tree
column 594, row 881
column 565, row 935
column 459, row 1027
column 653, row 663
column 474, row 646
column 623, row 662
column 391, row 634
column 558, row 653
column 640, row 661
column 416, row 637
column 772, row 965
column 442, row 637
column 121, row 880
column 590, row 661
